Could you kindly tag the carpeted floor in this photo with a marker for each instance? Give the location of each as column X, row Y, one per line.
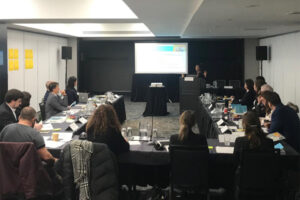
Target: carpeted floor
column 165, row 125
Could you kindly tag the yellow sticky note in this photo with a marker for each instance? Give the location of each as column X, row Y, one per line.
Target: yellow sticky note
column 10, row 53
column 16, row 64
column 28, row 64
column 16, row 53
column 210, row 147
column 28, row 54
column 11, row 65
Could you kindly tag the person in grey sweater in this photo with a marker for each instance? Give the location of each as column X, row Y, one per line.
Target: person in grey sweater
column 55, row 103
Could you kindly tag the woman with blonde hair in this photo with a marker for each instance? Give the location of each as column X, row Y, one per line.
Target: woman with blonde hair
column 186, row 136
column 104, row 127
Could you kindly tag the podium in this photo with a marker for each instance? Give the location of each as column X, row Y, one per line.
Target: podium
column 189, row 90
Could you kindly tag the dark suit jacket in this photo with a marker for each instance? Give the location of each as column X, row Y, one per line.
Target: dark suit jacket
column 72, row 95
column 192, row 140
column 248, row 99
column 242, row 143
column 55, row 105
column 6, row 116
column 112, row 138
column 286, row 121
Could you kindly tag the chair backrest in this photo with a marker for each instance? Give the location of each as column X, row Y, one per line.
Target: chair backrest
column 235, row 83
column 189, row 166
column 43, row 110
column 259, row 171
column 221, row 83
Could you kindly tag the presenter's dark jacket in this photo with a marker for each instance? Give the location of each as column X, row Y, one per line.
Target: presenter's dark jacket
column 192, row 140
column 72, row 95
column 248, row 99
column 6, row 116
column 286, row 121
column 55, row 105
column 112, row 138
column 242, row 143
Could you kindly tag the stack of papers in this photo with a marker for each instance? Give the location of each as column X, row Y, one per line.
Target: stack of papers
column 235, row 135
column 276, row 136
column 134, row 143
column 62, row 139
column 47, row 127
column 228, row 150
column 56, row 119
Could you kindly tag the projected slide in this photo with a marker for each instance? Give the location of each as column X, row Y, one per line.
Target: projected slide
column 161, row 58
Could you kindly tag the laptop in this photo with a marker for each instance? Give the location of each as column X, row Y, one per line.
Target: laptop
column 83, row 97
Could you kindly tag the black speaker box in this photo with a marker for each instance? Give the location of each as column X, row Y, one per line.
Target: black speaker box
column 66, row 52
column 261, row 53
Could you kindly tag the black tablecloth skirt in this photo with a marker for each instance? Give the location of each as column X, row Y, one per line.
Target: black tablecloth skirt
column 156, row 102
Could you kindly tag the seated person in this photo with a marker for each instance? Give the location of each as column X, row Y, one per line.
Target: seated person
column 186, row 136
column 23, row 131
column 12, row 100
column 47, row 92
column 71, row 91
column 249, row 96
column 104, row 127
column 258, row 106
column 284, row 119
column 25, row 102
column 254, row 137
column 55, row 104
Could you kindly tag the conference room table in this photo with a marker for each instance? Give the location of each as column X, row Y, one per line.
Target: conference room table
column 144, row 165
column 156, row 105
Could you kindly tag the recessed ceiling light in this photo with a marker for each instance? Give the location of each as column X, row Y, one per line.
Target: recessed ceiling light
column 252, row 6
column 294, row 13
column 94, row 29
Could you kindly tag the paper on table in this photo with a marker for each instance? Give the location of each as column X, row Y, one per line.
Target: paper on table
column 134, row 142
column 47, row 127
column 65, row 136
column 74, row 111
column 235, row 135
column 228, row 150
column 53, row 144
column 221, row 138
column 232, row 127
column 57, row 119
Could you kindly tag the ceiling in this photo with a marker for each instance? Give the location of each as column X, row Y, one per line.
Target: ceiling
column 149, row 18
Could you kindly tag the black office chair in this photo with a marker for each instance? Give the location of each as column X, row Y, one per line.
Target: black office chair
column 259, row 176
column 221, row 83
column 235, row 83
column 189, row 170
column 43, row 110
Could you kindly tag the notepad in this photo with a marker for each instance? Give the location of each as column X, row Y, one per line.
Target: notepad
column 227, row 150
column 47, row 127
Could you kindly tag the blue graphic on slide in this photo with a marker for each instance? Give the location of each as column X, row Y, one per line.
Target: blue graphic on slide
column 165, row 48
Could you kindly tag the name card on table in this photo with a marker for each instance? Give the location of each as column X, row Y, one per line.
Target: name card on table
column 225, row 129
column 73, row 127
column 82, row 120
column 220, row 122
column 188, row 78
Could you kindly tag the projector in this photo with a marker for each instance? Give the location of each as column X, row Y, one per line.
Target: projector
column 156, row 85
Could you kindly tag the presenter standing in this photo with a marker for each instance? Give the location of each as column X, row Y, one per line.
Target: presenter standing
column 198, row 72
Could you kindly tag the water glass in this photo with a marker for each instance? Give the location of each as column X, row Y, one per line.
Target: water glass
column 227, row 139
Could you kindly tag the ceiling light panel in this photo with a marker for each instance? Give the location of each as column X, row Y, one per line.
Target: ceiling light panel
column 65, row 9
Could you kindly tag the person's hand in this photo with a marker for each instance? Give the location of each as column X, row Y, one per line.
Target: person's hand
column 267, row 124
column 69, row 107
column 63, row 92
column 38, row 127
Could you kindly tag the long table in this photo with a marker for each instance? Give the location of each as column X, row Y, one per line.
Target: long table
column 145, row 165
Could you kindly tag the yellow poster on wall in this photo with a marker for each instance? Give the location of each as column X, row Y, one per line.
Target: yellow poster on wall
column 11, row 65
column 16, row 65
column 28, row 64
column 16, row 54
column 28, row 54
column 11, row 53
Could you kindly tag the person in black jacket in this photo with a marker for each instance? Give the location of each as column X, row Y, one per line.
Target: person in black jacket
column 254, row 138
column 12, row 100
column 186, row 136
column 283, row 120
column 25, row 102
column 249, row 96
column 104, row 127
column 71, row 91
column 258, row 106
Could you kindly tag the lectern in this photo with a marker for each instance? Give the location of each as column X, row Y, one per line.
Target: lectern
column 189, row 89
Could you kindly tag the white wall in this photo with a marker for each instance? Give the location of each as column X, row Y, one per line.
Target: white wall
column 251, row 64
column 47, row 63
column 282, row 72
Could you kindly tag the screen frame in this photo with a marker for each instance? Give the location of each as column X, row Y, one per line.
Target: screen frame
column 171, row 43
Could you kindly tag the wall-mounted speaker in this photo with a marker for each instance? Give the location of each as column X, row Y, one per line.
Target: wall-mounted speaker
column 261, row 53
column 66, row 52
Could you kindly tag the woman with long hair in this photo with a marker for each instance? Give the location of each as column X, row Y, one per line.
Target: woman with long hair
column 104, row 127
column 71, row 91
column 254, row 137
column 186, row 136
